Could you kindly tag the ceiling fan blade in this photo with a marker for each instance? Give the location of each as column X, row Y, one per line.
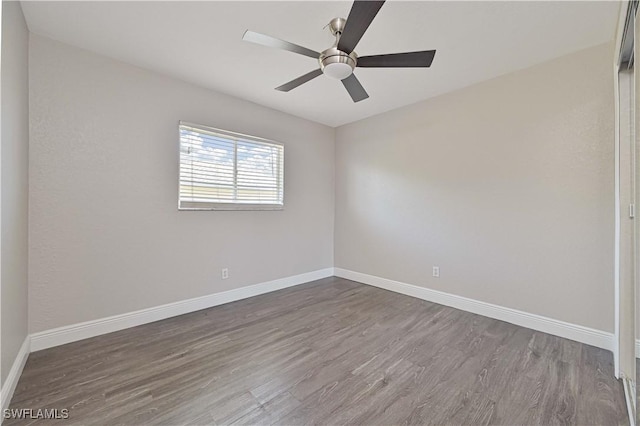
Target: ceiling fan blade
column 409, row 59
column 269, row 41
column 360, row 17
column 355, row 89
column 300, row 80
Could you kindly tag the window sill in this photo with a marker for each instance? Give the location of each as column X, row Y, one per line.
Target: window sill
column 229, row 207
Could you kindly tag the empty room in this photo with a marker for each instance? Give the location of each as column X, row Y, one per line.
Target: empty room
column 319, row 213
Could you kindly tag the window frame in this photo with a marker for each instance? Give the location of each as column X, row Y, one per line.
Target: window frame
column 234, row 205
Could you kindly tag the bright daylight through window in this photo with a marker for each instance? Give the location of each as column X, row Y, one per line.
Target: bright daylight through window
column 221, row 170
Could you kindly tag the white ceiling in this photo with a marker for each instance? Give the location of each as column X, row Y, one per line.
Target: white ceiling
column 201, row 42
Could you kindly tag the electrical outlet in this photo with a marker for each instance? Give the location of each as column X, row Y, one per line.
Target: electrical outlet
column 225, row 273
column 436, row 271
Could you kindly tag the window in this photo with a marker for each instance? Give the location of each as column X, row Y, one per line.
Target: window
column 222, row 170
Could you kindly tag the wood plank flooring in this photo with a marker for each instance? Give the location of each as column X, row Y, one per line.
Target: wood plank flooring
column 328, row 352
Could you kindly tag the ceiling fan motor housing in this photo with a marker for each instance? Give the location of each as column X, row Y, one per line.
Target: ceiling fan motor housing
column 337, row 64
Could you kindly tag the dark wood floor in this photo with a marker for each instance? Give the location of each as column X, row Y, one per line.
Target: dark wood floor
column 328, row 352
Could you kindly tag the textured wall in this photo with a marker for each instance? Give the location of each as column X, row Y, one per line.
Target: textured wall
column 506, row 185
column 14, row 182
column 105, row 234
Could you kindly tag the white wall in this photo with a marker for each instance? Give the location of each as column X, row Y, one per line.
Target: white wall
column 506, row 185
column 15, row 147
column 105, row 233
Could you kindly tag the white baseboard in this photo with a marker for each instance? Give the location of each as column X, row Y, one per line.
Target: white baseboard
column 567, row 330
column 9, row 385
column 71, row 333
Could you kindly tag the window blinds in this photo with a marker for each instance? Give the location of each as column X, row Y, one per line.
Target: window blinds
column 229, row 171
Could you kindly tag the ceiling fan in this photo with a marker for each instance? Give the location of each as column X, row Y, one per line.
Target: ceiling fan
column 340, row 60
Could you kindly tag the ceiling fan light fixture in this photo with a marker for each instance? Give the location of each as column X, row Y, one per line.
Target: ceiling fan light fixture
column 337, row 70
